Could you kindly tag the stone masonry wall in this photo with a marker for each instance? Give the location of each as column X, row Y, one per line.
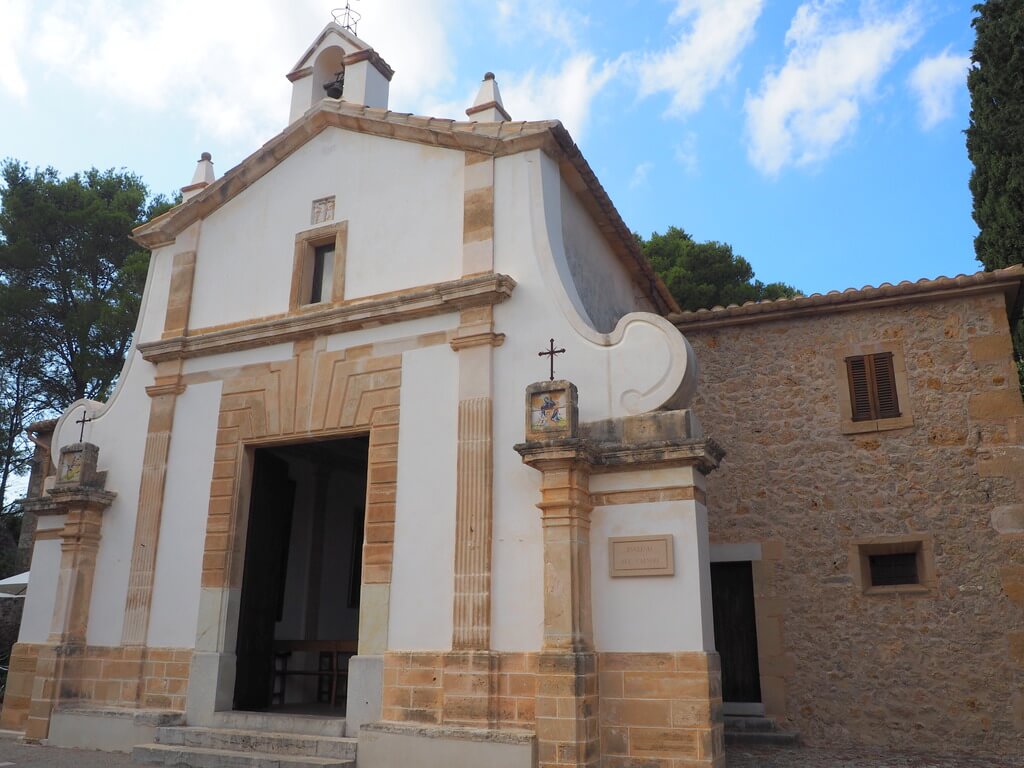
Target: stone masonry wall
column 10, row 622
column 940, row 670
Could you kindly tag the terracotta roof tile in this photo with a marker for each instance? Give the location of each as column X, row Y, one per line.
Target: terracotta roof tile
column 852, row 298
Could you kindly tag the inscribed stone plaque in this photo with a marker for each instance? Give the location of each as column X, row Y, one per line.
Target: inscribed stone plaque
column 641, row 556
column 323, row 210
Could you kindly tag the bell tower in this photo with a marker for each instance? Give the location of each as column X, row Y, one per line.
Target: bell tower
column 339, row 65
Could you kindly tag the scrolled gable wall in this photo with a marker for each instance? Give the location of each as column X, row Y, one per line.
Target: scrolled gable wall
column 604, row 286
column 245, row 255
column 837, row 665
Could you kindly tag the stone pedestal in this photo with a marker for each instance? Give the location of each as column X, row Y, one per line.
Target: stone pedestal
column 78, row 494
column 570, row 705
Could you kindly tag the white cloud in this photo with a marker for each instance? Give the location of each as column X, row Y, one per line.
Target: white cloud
column 640, row 174
column 704, row 55
column 566, row 95
column 803, row 110
column 935, row 81
column 13, row 23
column 539, row 20
column 222, row 64
column 686, row 153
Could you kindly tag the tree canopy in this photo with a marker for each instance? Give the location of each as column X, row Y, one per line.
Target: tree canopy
column 70, row 285
column 702, row 275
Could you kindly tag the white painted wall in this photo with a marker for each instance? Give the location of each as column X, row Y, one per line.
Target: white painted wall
column 650, row 613
column 154, row 308
column 423, row 573
column 179, row 561
column 245, row 259
column 269, row 354
column 385, row 335
column 42, row 591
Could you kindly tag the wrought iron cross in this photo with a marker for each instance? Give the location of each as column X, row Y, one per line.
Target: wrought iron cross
column 550, row 353
column 83, row 421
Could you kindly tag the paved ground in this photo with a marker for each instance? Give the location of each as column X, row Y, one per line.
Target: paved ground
column 805, row 757
column 14, row 754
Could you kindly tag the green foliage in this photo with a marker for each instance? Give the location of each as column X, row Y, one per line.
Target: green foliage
column 67, row 261
column 995, row 138
column 70, row 285
column 702, row 275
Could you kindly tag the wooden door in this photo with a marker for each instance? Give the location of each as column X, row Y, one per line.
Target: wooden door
column 732, row 595
column 266, row 557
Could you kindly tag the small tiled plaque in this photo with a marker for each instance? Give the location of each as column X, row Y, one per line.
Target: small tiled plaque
column 548, row 411
column 641, row 556
column 551, row 410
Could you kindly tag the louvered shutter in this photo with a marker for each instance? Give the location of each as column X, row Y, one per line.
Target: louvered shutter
column 884, row 379
column 860, row 388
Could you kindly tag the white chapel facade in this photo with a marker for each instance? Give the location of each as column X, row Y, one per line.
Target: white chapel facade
column 337, row 480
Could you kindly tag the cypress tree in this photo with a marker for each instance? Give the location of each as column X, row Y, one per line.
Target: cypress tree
column 995, row 138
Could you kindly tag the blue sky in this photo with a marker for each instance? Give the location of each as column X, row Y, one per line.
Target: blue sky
column 823, row 140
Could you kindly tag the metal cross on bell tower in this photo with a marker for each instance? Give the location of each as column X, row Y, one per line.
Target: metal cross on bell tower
column 550, row 353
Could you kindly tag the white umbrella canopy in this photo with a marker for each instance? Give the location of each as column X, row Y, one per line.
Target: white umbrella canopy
column 15, row 585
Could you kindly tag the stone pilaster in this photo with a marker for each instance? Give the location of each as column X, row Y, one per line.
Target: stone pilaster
column 567, row 703
column 164, row 394
column 470, row 677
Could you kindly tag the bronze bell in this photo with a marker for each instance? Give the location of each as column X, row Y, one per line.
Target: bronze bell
column 337, row 86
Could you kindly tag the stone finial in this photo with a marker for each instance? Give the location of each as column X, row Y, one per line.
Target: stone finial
column 487, row 107
column 201, row 179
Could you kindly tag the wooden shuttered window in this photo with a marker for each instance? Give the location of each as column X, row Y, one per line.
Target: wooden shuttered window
column 872, row 387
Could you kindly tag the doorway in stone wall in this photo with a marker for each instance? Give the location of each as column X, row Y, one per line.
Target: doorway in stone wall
column 298, row 622
column 732, row 596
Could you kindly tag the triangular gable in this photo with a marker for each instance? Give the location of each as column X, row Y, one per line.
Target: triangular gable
column 492, row 138
column 306, row 60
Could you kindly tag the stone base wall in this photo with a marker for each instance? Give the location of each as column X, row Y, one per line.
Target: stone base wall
column 147, row 678
column 660, row 710
column 482, row 689
column 20, row 678
column 939, row 668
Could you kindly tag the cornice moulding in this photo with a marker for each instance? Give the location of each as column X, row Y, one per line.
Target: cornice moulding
column 424, row 301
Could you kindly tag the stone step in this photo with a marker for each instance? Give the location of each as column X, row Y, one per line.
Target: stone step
column 750, row 723
column 175, row 756
column 259, row 741
column 757, row 729
column 308, row 725
column 772, row 738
